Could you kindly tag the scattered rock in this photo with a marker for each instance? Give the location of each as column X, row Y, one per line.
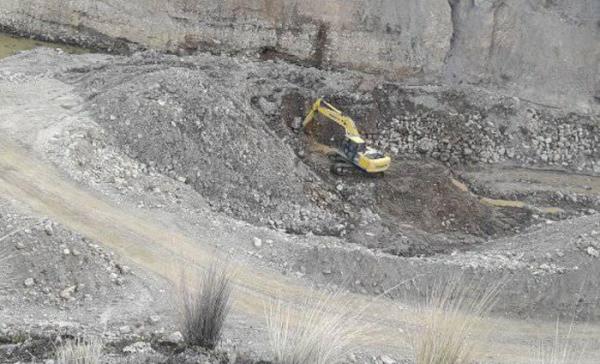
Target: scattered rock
column 175, row 338
column 123, row 269
column 153, row 320
column 29, row 282
column 138, row 347
column 67, row 292
column 593, row 252
column 387, row 360
column 425, row 145
column 48, row 229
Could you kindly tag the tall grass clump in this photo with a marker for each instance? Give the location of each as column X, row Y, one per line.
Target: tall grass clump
column 313, row 335
column 205, row 308
column 559, row 350
column 80, row 352
column 451, row 313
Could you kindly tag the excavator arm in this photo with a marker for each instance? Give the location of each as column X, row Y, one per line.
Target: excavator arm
column 329, row 111
column 354, row 152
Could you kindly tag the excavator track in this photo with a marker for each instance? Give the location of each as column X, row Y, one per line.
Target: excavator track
column 342, row 169
column 340, row 166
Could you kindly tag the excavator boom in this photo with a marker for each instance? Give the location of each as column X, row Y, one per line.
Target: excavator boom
column 329, row 111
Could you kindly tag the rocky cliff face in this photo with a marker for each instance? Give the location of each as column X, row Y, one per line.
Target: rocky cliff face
column 395, row 36
column 544, row 50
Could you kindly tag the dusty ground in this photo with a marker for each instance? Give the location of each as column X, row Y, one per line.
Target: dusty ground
column 167, row 161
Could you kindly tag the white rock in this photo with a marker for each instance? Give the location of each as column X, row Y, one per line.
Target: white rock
column 125, row 329
column 67, row 292
column 593, row 252
column 257, row 242
column 387, row 360
column 48, row 229
column 174, row 338
column 154, row 319
column 29, row 282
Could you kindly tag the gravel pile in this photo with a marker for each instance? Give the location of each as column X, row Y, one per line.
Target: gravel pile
column 48, row 266
column 195, row 123
column 462, row 127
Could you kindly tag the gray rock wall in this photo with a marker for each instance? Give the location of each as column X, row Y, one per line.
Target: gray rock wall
column 397, row 36
column 546, row 51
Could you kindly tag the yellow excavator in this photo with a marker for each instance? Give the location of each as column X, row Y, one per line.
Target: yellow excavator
column 354, row 153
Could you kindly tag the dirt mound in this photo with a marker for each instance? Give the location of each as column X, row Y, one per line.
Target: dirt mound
column 47, row 266
column 195, row 123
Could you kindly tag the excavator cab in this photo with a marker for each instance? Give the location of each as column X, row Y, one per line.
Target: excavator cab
column 353, row 145
column 354, row 153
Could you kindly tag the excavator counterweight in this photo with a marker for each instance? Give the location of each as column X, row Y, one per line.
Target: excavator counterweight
column 354, row 153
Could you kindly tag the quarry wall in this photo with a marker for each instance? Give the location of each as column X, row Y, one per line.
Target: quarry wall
column 547, row 51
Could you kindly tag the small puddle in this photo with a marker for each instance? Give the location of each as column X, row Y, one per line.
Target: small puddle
column 11, row 45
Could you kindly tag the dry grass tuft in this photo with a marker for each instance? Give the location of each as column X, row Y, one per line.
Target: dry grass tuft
column 205, row 309
column 450, row 315
column 320, row 337
column 80, row 352
column 559, row 350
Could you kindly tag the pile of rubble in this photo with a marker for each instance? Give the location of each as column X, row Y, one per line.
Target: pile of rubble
column 197, row 125
column 46, row 265
column 458, row 128
column 589, row 243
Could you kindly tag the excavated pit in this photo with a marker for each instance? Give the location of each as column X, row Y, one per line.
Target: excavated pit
column 489, row 182
column 222, row 125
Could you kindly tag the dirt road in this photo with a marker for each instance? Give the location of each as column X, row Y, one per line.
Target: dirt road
column 154, row 246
